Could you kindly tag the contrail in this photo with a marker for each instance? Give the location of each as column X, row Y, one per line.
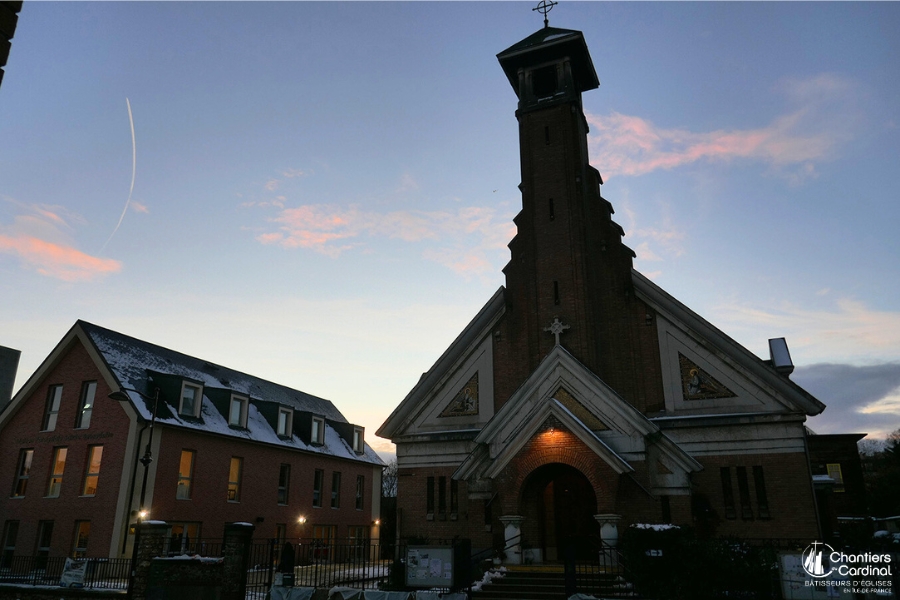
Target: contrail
column 133, row 169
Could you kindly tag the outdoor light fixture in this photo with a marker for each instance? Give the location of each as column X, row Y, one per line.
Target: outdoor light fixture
column 301, row 519
column 145, row 460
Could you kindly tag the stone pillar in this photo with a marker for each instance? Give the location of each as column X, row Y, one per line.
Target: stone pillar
column 609, row 535
column 609, row 528
column 236, row 553
column 512, row 534
column 151, row 542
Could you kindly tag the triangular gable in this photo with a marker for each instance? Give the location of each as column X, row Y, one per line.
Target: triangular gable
column 427, row 404
column 75, row 335
column 756, row 385
column 532, row 424
column 523, row 414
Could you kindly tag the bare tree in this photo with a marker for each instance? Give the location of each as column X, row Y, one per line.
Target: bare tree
column 389, row 480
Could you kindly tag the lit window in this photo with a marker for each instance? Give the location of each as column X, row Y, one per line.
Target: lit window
column 318, row 483
column 336, row 489
column 284, row 483
column 318, row 431
column 191, row 396
column 834, row 471
column 358, row 440
column 360, row 491
column 85, row 405
column 234, row 479
column 92, row 476
column 56, row 472
column 185, row 475
column 237, row 412
column 10, row 533
column 51, row 412
column 285, row 422
column 45, row 534
column 82, row 532
column 21, row 484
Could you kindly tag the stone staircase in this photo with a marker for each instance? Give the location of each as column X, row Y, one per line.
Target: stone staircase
column 548, row 583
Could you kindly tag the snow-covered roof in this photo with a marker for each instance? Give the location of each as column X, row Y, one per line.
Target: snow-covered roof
column 140, row 365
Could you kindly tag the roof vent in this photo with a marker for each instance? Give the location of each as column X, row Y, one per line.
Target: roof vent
column 780, row 356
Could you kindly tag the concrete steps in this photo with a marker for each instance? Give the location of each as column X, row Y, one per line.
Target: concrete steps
column 548, row 583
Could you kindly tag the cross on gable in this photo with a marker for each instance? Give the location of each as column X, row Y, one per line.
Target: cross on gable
column 544, row 7
column 556, row 328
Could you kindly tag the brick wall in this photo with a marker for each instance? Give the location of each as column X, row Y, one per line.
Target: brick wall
column 108, row 427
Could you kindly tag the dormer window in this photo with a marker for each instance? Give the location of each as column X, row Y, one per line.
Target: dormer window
column 358, row 440
column 237, row 411
column 191, row 395
column 318, row 431
column 285, row 422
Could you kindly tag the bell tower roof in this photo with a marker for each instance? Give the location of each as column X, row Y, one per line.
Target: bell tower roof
column 551, row 44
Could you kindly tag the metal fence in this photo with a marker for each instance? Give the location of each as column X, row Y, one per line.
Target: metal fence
column 363, row 564
column 100, row 573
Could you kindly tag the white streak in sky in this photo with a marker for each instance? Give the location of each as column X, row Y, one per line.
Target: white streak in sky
column 133, row 169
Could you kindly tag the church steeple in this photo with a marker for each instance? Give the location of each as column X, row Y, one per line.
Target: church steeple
column 568, row 264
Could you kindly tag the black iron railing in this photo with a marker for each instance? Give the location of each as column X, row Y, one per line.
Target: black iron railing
column 99, row 573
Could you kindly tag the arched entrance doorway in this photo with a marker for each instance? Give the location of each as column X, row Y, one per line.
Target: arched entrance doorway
column 558, row 503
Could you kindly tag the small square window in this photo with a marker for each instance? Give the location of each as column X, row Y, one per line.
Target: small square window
column 285, row 422
column 191, row 397
column 318, row 431
column 237, row 411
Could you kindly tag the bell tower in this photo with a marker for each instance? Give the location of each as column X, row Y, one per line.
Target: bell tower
column 569, row 276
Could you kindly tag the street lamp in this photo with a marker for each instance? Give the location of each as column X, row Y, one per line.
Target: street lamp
column 146, row 460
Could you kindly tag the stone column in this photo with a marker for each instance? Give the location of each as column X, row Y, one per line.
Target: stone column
column 609, row 535
column 151, row 543
column 236, row 553
column 512, row 534
column 609, row 528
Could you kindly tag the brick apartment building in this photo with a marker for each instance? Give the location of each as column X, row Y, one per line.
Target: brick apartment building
column 583, row 398
column 226, row 447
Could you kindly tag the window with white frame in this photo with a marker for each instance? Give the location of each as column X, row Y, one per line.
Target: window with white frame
column 237, row 411
column 57, row 467
column 285, row 422
column 358, row 440
column 191, row 397
column 318, row 430
column 23, row 473
column 85, row 405
column 92, row 472
column 51, row 411
column 185, row 475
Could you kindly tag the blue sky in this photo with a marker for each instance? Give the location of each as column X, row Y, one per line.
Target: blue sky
column 324, row 191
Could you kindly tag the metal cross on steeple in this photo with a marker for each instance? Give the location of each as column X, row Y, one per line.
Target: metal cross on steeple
column 544, row 7
column 556, row 328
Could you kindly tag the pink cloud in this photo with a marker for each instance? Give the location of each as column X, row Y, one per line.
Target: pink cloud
column 138, row 207
column 458, row 239
column 820, row 119
column 58, row 261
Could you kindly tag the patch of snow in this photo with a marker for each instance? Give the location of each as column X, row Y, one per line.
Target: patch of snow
column 655, row 526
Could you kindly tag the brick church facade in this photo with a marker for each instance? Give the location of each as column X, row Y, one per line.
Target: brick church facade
column 583, row 398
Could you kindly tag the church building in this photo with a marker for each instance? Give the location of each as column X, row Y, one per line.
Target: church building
column 583, row 398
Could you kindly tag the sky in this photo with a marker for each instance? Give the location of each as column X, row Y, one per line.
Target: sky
column 323, row 192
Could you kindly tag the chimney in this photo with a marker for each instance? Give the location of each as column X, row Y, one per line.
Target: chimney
column 780, row 356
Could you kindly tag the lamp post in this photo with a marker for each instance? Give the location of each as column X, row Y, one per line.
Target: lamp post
column 146, row 460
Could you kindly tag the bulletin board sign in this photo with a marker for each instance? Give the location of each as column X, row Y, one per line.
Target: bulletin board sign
column 429, row 566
